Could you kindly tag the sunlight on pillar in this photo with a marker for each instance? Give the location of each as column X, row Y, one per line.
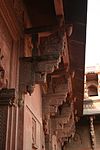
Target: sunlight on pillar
column 93, row 34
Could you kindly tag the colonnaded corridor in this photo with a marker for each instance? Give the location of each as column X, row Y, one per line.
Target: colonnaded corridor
column 49, row 100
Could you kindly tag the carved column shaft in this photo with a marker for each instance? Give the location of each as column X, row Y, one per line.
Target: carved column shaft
column 92, row 134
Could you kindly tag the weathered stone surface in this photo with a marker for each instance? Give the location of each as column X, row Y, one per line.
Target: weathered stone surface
column 7, row 96
column 53, row 43
column 3, row 126
column 34, row 70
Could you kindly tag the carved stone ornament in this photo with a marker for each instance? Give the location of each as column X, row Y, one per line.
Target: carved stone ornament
column 92, row 134
column 63, row 122
column 2, row 72
column 46, row 126
column 53, row 43
column 7, row 97
column 3, row 81
column 34, row 70
column 56, row 93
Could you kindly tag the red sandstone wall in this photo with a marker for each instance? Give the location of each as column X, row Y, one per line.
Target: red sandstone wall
column 11, row 45
column 5, row 46
column 33, row 114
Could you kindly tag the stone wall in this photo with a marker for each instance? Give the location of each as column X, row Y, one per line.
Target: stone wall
column 33, row 130
column 11, row 48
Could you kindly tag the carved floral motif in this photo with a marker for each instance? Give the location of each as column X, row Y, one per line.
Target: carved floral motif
column 3, row 81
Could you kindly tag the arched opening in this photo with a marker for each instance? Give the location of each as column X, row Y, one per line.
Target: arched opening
column 92, row 91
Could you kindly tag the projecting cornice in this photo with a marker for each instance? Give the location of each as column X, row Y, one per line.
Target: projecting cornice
column 10, row 19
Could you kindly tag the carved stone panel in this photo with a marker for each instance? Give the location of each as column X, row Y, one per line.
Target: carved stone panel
column 3, row 126
column 7, row 97
column 33, row 132
column 53, row 43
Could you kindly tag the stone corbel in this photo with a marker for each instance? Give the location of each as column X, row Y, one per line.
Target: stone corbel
column 66, row 132
column 57, row 91
column 64, row 123
column 33, row 70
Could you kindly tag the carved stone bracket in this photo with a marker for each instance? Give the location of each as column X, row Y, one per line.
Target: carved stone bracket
column 51, row 102
column 63, row 123
column 7, row 96
column 53, row 43
column 62, row 120
column 34, row 70
column 68, row 131
column 57, row 91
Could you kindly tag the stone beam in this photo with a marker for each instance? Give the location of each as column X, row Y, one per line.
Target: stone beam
column 47, row 30
column 59, row 7
column 41, row 29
